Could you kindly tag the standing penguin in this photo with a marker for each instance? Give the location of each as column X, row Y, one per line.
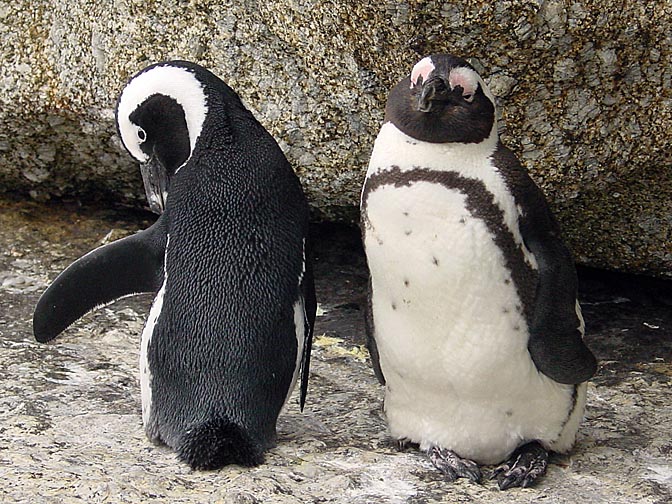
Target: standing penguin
column 231, row 323
column 473, row 322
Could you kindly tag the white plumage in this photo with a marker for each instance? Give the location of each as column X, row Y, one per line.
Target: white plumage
column 147, row 333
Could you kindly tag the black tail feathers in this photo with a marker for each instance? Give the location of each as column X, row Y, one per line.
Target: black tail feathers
column 216, row 443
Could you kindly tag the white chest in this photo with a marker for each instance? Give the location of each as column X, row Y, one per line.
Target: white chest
column 441, row 291
column 438, row 274
column 395, row 150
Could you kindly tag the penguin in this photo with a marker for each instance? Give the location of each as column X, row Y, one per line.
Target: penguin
column 473, row 323
column 228, row 259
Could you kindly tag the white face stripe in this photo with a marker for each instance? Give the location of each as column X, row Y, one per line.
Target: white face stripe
column 176, row 82
column 422, row 69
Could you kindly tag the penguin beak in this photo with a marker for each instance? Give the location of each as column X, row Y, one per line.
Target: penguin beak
column 432, row 91
column 155, row 178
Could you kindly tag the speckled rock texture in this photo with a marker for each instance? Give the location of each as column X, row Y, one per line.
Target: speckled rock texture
column 584, row 90
column 71, row 428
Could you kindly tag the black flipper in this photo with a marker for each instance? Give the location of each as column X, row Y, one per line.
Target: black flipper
column 128, row 266
column 556, row 342
column 370, row 336
column 310, row 307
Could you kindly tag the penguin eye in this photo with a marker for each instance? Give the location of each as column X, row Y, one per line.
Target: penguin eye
column 468, row 97
column 142, row 136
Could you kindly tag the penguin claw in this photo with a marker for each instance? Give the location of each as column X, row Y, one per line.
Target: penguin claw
column 402, row 444
column 452, row 466
column 527, row 463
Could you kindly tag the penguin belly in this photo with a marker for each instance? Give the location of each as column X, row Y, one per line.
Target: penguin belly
column 451, row 333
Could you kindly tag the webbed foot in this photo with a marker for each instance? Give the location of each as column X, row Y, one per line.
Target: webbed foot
column 522, row 469
column 452, row 466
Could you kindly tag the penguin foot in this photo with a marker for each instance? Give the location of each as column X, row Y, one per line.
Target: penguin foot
column 522, row 469
column 403, row 444
column 452, row 466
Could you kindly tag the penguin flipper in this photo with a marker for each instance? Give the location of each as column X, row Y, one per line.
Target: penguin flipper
column 556, row 330
column 307, row 288
column 370, row 336
column 556, row 327
column 128, row 266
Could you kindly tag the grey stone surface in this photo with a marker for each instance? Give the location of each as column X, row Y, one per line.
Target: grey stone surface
column 71, row 429
column 584, row 88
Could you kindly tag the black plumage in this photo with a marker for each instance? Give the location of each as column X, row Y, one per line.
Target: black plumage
column 236, row 283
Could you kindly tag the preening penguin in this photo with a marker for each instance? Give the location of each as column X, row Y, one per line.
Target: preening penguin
column 230, row 327
column 473, row 324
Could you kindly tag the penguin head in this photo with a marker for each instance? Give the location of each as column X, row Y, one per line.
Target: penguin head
column 443, row 100
column 160, row 115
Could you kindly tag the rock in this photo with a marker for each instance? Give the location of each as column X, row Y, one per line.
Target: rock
column 316, row 74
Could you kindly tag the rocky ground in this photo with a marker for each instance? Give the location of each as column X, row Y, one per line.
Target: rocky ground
column 71, row 431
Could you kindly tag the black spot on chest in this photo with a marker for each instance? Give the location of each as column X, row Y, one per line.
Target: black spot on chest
column 480, row 203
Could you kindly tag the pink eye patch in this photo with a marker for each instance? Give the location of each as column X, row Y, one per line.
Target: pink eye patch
column 421, row 69
column 464, row 77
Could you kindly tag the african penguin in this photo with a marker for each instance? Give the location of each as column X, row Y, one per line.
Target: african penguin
column 230, row 327
column 473, row 322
